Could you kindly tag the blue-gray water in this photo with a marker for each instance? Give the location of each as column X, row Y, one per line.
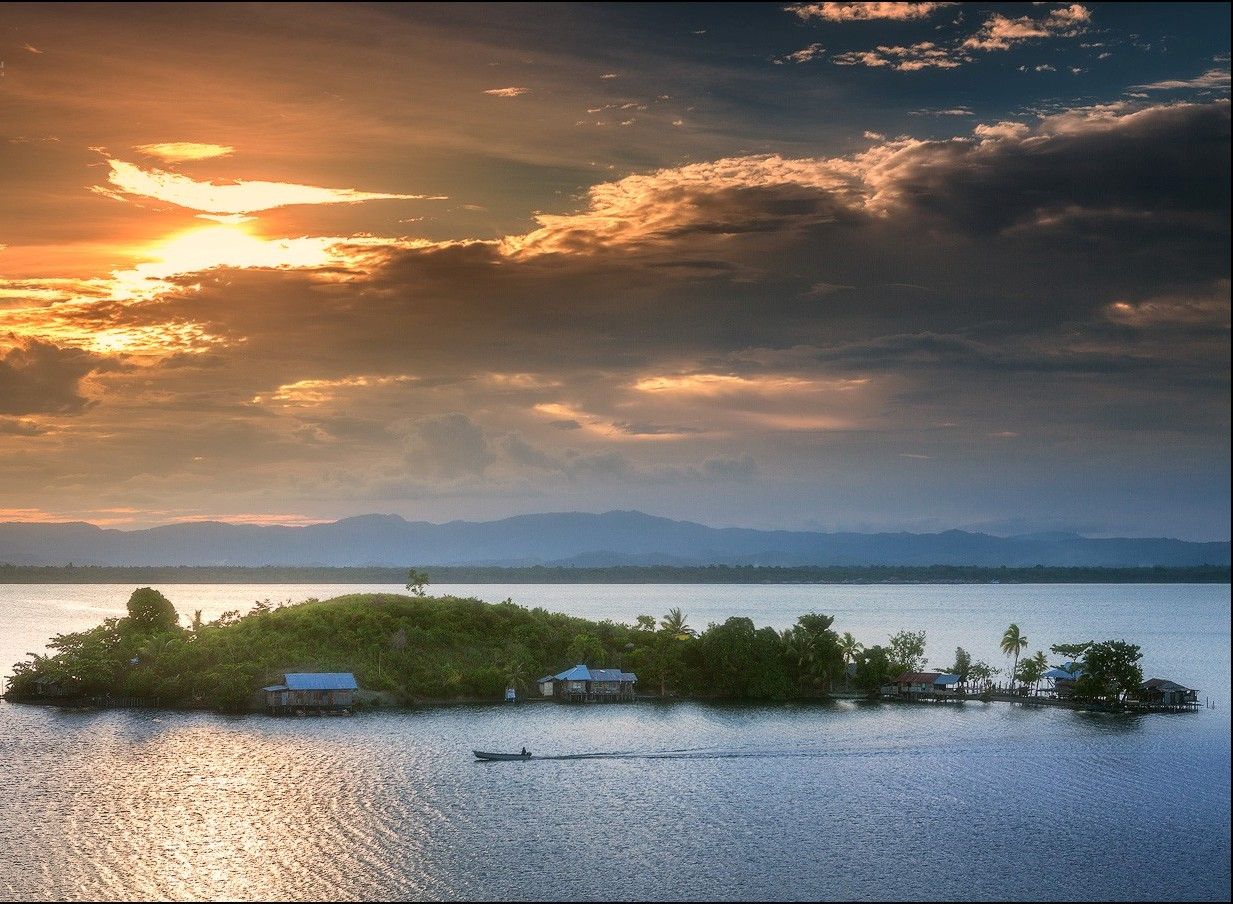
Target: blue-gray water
column 683, row 801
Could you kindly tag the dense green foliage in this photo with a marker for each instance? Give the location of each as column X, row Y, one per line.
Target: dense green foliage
column 422, row 647
column 416, row 648
column 618, row 574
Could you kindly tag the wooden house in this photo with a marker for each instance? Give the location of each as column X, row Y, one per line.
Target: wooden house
column 1063, row 678
column 586, row 685
column 933, row 684
column 312, row 692
column 1162, row 692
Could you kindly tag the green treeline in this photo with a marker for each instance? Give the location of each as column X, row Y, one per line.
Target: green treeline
column 619, row 574
column 417, row 648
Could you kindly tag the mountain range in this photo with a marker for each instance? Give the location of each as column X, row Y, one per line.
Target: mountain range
column 569, row 538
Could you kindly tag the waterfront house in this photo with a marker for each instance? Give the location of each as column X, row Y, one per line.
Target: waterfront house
column 1162, row 692
column 1063, row 678
column 312, row 691
column 932, row 683
column 582, row 684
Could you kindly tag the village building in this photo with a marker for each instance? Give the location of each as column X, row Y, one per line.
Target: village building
column 312, row 692
column 934, row 684
column 1063, row 678
column 1162, row 692
column 582, row 684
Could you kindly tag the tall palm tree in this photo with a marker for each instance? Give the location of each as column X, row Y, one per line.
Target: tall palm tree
column 849, row 646
column 1013, row 643
column 674, row 623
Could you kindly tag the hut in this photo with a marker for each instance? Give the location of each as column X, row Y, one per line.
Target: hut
column 1162, row 692
column 582, row 684
column 933, row 684
column 312, row 691
column 1063, row 678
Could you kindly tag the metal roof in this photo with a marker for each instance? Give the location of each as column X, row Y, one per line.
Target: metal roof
column 577, row 673
column 1164, row 684
column 919, row 678
column 629, row 676
column 275, row 687
column 1067, row 672
column 605, row 674
column 321, row 681
column 581, row 673
column 947, row 679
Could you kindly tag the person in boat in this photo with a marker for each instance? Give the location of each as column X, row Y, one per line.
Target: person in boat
column 524, row 751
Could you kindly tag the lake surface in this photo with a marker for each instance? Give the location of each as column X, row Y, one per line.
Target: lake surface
column 868, row 801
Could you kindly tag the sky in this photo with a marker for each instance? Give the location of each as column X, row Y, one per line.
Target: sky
column 830, row 266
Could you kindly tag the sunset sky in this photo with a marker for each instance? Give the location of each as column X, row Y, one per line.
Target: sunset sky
column 823, row 265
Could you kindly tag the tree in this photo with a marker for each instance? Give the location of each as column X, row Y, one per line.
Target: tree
column 586, row 649
column 874, row 668
column 149, row 612
column 645, row 622
column 1013, row 643
column 416, row 581
column 981, row 672
column 1031, row 671
column 1071, row 652
column 907, row 651
column 1110, row 671
column 849, row 646
column 674, row 624
column 962, row 666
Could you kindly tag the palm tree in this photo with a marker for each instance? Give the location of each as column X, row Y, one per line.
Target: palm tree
column 799, row 645
column 674, row 623
column 1013, row 643
column 849, row 646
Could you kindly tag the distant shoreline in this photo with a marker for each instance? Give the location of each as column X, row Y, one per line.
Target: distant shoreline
column 621, row 574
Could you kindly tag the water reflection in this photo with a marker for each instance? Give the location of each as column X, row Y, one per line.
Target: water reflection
column 705, row 801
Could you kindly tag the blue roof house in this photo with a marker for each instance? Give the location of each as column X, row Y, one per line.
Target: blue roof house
column 1064, row 677
column 320, row 692
column 586, row 685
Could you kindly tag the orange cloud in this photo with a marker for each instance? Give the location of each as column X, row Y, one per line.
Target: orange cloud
column 237, row 197
column 177, row 151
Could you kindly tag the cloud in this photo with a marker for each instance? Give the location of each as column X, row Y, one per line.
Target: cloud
column 924, row 55
column 12, row 426
column 1209, row 310
column 1001, row 32
column 864, row 12
column 804, row 55
column 42, row 378
column 237, row 197
column 1212, row 78
column 447, row 445
column 507, row 92
column 179, row 151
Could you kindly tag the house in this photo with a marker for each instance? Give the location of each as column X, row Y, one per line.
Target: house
column 582, row 684
column 932, row 683
column 1162, row 692
column 1064, row 677
column 315, row 691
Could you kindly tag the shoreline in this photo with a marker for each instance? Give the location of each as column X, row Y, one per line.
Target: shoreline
column 380, row 708
column 747, row 575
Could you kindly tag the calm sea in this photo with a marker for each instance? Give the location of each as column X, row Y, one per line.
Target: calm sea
column 679, row 800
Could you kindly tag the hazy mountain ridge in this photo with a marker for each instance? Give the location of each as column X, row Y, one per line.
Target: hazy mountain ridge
column 569, row 538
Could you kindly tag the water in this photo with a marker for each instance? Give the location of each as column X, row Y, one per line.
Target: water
column 682, row 800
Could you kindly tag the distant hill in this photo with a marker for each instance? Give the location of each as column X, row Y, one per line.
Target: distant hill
column 570, row 538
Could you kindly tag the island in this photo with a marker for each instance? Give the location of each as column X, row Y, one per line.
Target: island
column 415, row 649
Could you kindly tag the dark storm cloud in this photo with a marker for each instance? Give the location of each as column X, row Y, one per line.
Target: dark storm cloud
column 43, row 378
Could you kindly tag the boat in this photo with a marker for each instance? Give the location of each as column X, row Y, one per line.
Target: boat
column 486, row 755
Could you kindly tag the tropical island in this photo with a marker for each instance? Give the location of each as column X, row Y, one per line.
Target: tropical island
column 416, row 648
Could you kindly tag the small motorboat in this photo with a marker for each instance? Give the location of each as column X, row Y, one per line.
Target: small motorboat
column 486, row 755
